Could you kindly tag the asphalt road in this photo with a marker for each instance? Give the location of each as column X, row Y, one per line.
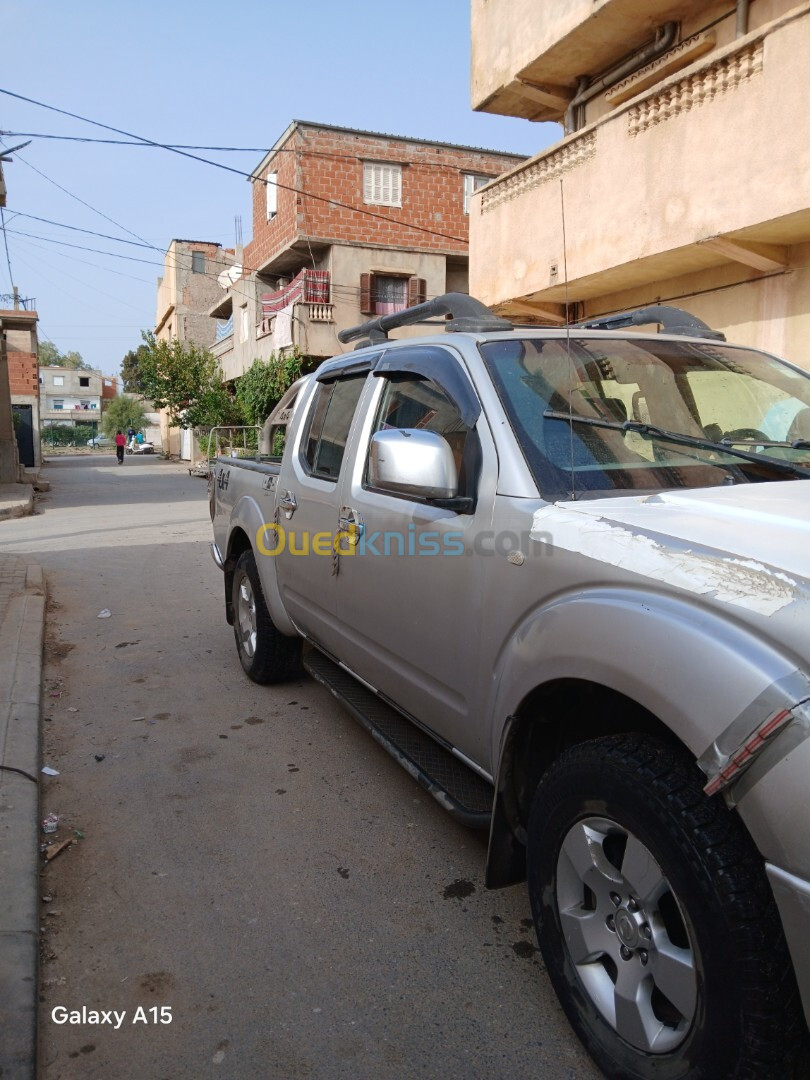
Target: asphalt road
column 247, row 857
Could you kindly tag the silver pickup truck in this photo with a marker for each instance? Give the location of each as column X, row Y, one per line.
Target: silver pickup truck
column 563, row 576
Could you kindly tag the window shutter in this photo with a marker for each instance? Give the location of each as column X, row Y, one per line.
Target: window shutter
column 366, row 288
column 417, row 291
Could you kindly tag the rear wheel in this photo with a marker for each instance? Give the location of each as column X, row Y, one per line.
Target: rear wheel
column 656, row 920
column 267, row 656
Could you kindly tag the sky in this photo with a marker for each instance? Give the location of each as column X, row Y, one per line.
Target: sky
column 201, row 73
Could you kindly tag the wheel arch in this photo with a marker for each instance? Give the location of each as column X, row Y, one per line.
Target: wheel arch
column 551, row 718
column 238, row 542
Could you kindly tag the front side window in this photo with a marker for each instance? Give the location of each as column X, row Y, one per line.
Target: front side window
column 330, row 420
column 409, row 402
column 198, row 262
column 58, row 403
column 59, row 380
column 84, row 380
column 579, row 408
column 382, row 184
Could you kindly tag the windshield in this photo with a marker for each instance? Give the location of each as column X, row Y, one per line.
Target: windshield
column 746, row 400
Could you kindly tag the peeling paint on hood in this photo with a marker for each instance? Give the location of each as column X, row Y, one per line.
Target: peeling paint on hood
column 745, row 546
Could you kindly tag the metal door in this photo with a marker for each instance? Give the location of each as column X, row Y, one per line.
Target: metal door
column 24, row 430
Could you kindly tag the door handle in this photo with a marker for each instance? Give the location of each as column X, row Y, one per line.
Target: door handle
column 351, row 524
column 288, row 504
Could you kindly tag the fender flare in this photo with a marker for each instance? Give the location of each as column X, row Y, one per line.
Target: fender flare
column 248, row 516
column 666, row 660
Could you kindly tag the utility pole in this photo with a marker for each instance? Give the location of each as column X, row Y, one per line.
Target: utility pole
column 9, row 456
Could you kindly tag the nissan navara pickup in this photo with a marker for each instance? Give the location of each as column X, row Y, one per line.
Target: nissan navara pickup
column 563, row 577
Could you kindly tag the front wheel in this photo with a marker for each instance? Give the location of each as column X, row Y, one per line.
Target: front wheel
column 656, row 920
column 267, row 655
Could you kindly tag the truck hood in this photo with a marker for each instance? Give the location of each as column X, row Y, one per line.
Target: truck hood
column 748, row 546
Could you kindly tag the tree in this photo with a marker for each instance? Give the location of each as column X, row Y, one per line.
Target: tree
column 264, row 384
column 49, row 355
column 123, row 413
column 131, row 370
column 186, row 381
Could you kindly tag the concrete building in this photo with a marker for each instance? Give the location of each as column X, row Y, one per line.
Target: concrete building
column 74, row 396
column 18, row 345
column 346, row 224
column 185, row 293
column 683, row 169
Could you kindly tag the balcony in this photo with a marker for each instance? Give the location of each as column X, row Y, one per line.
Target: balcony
column 71, row 416
column 687, row 176
column 533, row 73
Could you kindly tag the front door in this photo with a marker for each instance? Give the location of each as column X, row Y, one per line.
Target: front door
column 307, row 503
column 410, row 595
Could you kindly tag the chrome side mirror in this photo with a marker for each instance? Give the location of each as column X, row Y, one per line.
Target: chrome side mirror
column 410, row 461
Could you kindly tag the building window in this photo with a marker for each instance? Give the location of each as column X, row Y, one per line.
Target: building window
column 382, row 184
column 472, row 182
column 383, row 294
column 59, row 380
column 244, row 323
column 84, row 380
column 198, row 262
column 58, row 403
column 271, row 192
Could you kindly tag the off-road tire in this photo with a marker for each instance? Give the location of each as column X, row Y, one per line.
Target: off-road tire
column 747, row 1022
column 266, row 655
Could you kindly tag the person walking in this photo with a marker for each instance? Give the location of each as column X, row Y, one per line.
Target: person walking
column 120, row 443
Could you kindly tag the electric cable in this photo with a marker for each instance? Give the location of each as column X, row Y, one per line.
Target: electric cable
column 231, row 169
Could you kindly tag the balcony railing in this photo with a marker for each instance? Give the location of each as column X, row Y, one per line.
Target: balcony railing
column 320, row 313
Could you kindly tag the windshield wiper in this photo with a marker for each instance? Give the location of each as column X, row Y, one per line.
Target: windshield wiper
column 795, row 444
column 650, row 431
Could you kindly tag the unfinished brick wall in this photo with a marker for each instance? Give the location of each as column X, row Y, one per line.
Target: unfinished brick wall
column 21, row 352
column 23, row 373
column 327, row 164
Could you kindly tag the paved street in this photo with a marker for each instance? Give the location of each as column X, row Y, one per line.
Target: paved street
column 246, row 856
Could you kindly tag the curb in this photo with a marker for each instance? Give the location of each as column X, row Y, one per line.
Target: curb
column 22, row 632
column 19, row 505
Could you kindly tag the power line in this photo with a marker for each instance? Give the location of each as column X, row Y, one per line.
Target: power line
column 82, row 247
column 237, row 172
column 128, row 142
column 144, row 145
column 91, row 232
column 5, row 241
column 87, row 262
column 88, row 205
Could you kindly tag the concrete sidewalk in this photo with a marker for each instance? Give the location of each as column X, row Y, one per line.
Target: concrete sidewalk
column 22, row 624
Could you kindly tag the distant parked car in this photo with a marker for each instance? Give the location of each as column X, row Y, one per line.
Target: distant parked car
column 100, row 440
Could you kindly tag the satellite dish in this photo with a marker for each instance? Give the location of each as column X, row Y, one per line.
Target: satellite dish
column 230, row 276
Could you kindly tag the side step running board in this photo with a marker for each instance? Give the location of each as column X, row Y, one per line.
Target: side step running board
column 462, row 793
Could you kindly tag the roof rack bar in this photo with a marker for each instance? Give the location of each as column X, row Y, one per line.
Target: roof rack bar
column 671, row 319
column 467, row 314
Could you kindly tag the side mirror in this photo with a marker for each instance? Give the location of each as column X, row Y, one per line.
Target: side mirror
column 413, row 462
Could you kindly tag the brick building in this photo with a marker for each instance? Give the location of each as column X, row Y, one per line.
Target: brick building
column 346, row 224
column 18, row 331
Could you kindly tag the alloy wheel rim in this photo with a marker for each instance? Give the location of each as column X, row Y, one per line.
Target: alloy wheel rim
column 626, row 936
column 246, row 618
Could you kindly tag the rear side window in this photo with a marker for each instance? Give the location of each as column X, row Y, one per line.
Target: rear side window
column 328, row 431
